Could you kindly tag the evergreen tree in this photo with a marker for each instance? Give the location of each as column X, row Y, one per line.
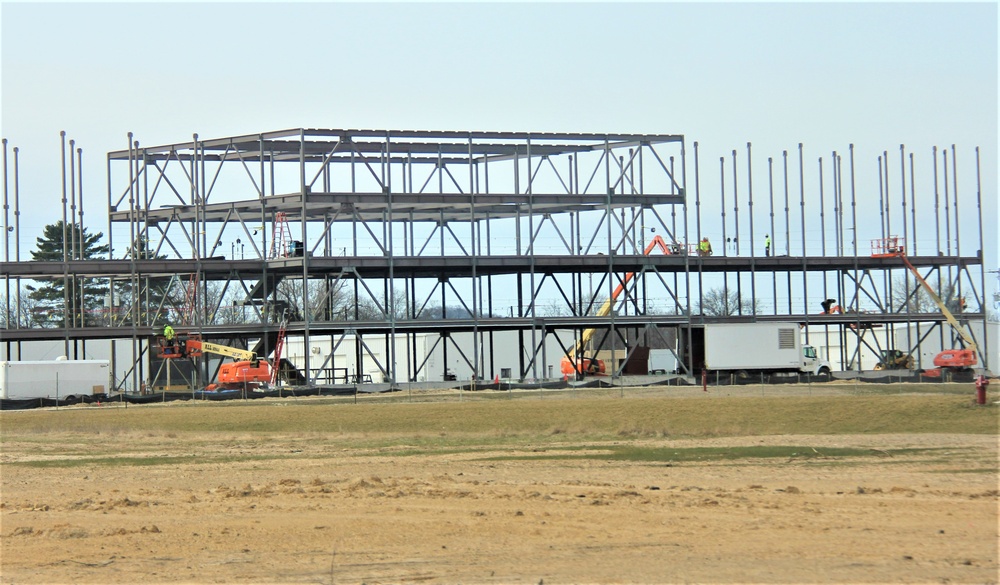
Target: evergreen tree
column 85, row 294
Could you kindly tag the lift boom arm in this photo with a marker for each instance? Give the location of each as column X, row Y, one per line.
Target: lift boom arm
column 605, row 310
column 196, row 347
column 970, row 344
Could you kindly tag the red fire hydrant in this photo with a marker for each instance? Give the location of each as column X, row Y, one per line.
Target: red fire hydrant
column 981, row 384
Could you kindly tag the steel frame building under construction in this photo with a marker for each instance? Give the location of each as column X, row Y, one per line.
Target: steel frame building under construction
column 366, row 234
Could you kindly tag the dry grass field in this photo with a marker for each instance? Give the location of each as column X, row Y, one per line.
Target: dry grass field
column 820, row 484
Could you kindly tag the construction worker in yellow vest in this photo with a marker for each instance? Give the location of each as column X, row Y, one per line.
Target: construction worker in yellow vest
column 704, row 247
column 767, row 245
column 168, row 339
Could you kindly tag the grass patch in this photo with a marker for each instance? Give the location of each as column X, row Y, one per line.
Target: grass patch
column 138, row 461
column 551, row 419
column 712, row 454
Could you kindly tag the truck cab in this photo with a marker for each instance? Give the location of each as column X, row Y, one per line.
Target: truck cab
column 812, row 364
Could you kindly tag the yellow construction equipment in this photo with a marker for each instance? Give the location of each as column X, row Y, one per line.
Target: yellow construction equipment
column 595, row 367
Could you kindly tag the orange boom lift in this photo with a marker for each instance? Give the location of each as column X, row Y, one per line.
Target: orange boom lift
column 595, row 367
column 952, row 359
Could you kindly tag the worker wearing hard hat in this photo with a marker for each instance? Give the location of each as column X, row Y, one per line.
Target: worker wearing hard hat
column 167, row 341
column 767, row 245
column 704, row 247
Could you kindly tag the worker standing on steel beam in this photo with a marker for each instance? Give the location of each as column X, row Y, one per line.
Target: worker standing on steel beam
column 704, row 247
column 767, row 245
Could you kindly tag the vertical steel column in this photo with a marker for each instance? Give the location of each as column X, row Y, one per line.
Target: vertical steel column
column 906, row 237
column 79, row 178
column 854, row 239
column 133, row 274
column 947, row 207
column 531, row 263
column 304, row 194
column 390, row 351
column 937, row 225
column 67, row 307
column 17, row 242
column 673, row 234
column 6, row 250
column 476, row 371
column 805, row 271
column 788, row 228
column 886, row 280
column 76, row 319
column 822, row 247
column 838, row 207
column 609, row 191
column 687, row 258
column 736, row 215
column 725, row 245
column 701, row 263
column 770, row 192
column 753, row 256
column 913, row 215
column 982, row 270
column 958, row 234
column 887, row 232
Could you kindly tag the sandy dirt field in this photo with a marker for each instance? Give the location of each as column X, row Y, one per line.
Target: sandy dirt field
column 302, row 508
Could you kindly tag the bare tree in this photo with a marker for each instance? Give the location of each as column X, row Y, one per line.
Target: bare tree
column 325, row 301
column 552, row 308
column 911, row 296
column 723, row 303
column 24, row 311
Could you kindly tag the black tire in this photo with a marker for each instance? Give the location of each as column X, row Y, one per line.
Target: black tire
column 825, row 374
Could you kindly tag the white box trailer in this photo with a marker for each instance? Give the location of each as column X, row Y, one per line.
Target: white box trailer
column 61, row 379
column 760, row 347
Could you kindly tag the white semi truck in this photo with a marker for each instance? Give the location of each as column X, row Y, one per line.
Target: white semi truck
column 746, row 349
column 62, row 379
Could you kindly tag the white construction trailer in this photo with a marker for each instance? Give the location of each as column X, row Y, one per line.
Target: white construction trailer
column 56, row 379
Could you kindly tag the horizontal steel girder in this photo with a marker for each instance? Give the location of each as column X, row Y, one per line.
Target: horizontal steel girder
column 483, row 325
column 462, row 266
column 404, row 206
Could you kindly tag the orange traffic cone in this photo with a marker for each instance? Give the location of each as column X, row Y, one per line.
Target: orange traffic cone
column 497, row 379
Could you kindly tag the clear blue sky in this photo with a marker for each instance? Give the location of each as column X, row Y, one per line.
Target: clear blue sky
column 827, row 75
